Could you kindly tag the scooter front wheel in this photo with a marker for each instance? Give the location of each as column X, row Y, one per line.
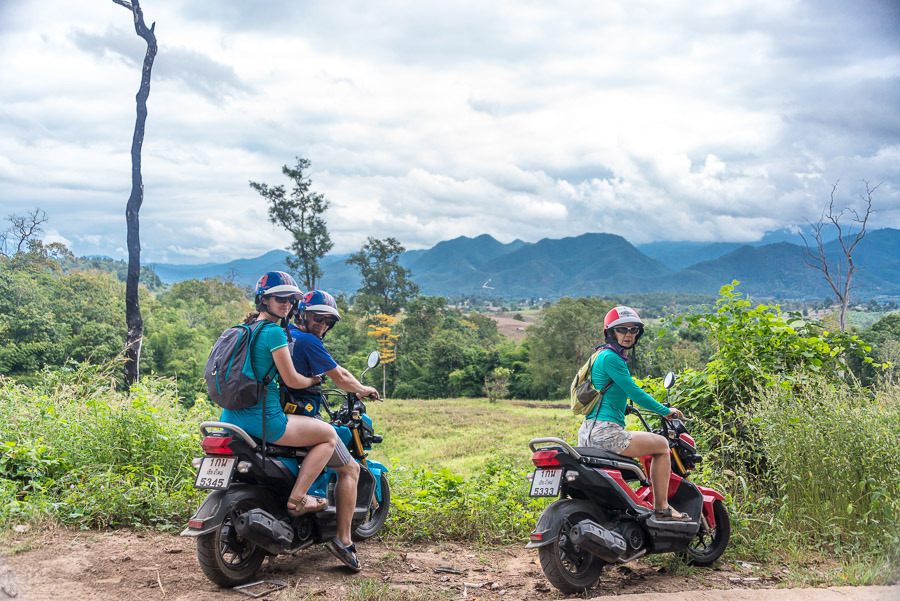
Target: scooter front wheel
column 568, row 567
column 225, row 558
column 707, row 547
column 378, row 513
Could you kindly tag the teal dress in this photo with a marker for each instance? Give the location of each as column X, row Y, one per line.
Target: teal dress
column 269, row 338
column 610, row 366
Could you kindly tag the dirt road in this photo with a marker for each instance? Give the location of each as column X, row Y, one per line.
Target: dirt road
column 126, row 565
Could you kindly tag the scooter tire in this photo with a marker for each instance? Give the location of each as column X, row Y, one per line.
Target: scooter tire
column 570, row 569
column 378, row 513
column 706, row 549
column 225, row 559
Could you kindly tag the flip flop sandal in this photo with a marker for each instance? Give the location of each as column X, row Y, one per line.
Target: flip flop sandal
column 347, row 554
column 665, row 515
column 301, row 508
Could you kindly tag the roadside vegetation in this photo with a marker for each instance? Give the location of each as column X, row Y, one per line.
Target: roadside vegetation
column 797, row 421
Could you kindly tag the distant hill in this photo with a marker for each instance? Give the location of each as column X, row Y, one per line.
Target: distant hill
column 679, row 255
column 596, row 264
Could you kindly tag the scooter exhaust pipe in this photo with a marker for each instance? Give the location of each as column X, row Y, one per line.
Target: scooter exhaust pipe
column 261, row 528
column 597, row 540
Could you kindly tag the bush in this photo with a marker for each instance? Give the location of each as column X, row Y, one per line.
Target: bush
column 83, row 453
column 834, row 479
column 492, row 507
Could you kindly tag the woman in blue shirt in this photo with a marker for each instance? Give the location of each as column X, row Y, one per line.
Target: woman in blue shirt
column 604, row 427
column 276, row 293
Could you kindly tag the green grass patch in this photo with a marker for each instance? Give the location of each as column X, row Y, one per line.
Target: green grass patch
column 463, row 435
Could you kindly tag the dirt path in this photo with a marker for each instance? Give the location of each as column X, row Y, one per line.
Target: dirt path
column 125, row 565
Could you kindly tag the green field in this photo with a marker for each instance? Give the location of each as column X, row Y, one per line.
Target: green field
column 462, row 434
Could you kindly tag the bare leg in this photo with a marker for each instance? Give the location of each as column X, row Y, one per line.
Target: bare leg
column 345, row 499
column 647, row 443
column 305, row 431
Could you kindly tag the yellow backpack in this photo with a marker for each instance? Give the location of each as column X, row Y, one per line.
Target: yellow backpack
column 582, row 394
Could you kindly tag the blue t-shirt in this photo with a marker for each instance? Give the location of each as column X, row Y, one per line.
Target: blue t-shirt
column 268, row 338
column 309, row 354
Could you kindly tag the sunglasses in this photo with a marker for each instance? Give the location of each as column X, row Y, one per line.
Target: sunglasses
column 627, row 329
column 283, row 299
column 328, row 320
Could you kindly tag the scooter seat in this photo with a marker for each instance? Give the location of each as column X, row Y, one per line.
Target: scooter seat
column 282, row 451
column 629, row 467
column 601, row 454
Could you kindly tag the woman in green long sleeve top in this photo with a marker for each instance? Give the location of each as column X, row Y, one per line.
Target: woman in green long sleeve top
column 604, row 427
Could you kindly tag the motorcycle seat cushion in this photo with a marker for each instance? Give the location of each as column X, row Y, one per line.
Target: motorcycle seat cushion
column 282, row 451
column 601, row 454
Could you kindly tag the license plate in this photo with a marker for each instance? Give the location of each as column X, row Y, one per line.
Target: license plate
column 215, row 473
column 546, row 483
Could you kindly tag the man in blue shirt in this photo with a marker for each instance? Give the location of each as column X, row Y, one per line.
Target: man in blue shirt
column 316, row 314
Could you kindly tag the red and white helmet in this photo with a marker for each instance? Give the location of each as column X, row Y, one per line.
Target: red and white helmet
column 618, row 316
column 621, row 315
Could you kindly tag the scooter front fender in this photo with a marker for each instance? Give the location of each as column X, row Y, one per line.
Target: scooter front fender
column 377, row 469
column 710, row 496
column 551, row 520
column 218, row 503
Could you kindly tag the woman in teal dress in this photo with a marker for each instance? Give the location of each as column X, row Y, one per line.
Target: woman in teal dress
column 276, row 293
column 604, row 426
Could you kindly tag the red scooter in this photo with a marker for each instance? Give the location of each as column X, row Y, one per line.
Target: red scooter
column 600, row 519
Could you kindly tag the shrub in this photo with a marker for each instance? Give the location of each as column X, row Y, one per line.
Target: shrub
column 75, row 448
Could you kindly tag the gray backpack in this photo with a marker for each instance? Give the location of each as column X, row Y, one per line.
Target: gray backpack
column 230, row 377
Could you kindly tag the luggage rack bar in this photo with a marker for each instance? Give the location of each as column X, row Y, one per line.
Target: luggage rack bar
column 206, row 426
column 557, row 441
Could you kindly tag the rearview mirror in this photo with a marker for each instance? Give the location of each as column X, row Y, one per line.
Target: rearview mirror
column 669, row 380
column 375, row 358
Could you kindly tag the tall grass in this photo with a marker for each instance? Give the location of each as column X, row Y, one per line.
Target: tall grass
column 831, row 478
column 76, row 450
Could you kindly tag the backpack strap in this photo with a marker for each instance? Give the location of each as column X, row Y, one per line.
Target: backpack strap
column 267, row 378
column 605, row 386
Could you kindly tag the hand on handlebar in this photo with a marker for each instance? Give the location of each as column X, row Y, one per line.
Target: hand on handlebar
column 369, row 392
column 673, row 413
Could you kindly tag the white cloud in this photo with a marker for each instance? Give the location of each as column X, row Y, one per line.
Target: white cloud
column 425, row 121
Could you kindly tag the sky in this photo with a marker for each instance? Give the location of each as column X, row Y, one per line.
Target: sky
column 656, row 120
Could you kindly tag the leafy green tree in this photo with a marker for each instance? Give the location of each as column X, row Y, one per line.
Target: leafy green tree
column 301, row 215
column 761, row 346
column 386, row 286
column 568, row 332
column 182, row 325
column 884, row 338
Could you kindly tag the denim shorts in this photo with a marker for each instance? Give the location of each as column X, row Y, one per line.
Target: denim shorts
column 608, row 436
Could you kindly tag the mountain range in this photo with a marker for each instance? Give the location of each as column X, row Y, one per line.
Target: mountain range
column 599, row 264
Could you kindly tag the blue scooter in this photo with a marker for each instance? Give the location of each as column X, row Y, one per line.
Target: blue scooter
column 244, row 518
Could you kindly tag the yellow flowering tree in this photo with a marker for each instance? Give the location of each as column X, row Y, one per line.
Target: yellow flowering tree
column 387, row 342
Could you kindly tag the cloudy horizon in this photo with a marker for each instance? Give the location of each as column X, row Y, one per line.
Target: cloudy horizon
column 653, row 120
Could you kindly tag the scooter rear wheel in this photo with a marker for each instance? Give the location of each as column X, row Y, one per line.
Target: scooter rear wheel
column 569, row 568
column 225, row 558
column 707, row 547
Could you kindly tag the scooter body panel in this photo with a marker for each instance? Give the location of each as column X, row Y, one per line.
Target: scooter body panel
column 218, row 503
column 551, row 519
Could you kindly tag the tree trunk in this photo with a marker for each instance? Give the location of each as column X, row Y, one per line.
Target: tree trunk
column 133, row 320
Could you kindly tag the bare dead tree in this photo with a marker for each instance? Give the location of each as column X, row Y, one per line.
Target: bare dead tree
column 839, row 272
column 133, row 319
column 22, row 229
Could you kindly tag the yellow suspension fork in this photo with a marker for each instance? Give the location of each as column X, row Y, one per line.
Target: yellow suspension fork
column 357, row 442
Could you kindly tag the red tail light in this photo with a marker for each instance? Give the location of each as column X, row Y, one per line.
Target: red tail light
column 537, row 537
column 545, row 458
column 217, row 445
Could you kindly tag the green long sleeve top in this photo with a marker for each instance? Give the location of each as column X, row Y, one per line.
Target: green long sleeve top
column 610, row 366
